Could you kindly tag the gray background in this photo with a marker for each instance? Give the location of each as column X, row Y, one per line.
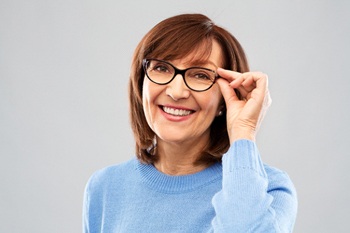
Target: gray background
column 64, row 69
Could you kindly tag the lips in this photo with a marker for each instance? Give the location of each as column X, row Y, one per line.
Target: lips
column 176, row 111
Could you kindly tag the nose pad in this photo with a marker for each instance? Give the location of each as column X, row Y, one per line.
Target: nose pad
column 177, row 88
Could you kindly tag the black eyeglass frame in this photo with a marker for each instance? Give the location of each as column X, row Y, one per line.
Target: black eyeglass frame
column 177, row 71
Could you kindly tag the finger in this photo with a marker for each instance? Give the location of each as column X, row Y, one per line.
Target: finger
column 244, row 84
column 236, row 79
column 254, row 78
column 237, row 82
column 229, row 75
column 267, row 100
column 266, row 105
column 249, row 83
column 260, row 83
column 244, row 93
column 227, row 91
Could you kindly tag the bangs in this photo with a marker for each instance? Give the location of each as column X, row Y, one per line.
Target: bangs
column 199, row 50
column 181, row 40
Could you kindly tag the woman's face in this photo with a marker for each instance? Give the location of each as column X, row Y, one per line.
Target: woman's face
column 177, row 114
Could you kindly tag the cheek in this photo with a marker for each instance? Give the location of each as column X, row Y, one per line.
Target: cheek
column 145, row 90
column 149, row 95
column 146, row 103
column 146, row 93
column 145, row 97
column 212, row 101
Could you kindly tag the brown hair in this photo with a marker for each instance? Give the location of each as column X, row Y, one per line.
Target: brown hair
column 174, row 38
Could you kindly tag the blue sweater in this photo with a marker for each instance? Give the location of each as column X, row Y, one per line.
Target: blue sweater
column 241, row 194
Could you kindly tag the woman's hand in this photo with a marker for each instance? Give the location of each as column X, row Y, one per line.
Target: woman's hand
column 244, row 116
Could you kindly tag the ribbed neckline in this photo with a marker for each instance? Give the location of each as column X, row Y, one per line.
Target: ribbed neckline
column 178, row 184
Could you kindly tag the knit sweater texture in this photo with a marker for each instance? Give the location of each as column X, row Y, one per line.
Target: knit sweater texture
column 240, row 194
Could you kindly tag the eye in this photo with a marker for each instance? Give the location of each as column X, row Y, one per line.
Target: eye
column 160, row 67
column 200, row 75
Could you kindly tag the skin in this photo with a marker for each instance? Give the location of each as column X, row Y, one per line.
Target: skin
column 180, row 140
column 244, row 116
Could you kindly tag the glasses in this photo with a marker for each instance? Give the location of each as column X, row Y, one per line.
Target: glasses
column 195, row 78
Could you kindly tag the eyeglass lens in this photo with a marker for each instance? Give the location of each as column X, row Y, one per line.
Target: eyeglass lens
column 195, row 78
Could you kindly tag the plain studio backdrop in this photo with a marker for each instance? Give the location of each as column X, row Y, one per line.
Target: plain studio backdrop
column 64, row 68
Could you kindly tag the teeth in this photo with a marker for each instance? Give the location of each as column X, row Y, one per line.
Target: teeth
column 176, row 112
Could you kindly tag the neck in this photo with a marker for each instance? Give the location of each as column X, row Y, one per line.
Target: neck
column 179, row 158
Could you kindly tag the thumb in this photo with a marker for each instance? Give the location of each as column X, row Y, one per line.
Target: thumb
column 227, row 91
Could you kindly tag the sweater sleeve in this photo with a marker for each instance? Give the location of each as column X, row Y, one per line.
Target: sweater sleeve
column 86, row 211
column 254, row 197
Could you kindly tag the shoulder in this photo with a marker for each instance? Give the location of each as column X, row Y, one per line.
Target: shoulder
column 274, row 173
column 111, row 175
column 279, row 179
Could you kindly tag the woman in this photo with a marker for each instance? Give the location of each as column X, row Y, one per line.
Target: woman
column 195, row 110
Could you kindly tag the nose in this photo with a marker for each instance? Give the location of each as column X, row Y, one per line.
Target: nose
column 177, row 88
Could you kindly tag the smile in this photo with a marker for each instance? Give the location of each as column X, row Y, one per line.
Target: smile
column 176, row 111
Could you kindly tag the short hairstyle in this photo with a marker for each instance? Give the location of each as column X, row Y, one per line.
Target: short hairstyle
column 174, row 38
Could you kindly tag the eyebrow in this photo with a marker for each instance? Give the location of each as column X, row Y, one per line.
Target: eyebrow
column 202, row 62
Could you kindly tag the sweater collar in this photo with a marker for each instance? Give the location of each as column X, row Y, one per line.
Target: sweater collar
column 178, row 184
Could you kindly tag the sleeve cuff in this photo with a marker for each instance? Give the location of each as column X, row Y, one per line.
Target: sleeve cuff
column 243, row 154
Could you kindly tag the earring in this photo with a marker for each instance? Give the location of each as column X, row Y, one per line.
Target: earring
column 220, row 113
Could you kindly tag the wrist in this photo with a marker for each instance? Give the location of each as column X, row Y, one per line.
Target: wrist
column 238, row 134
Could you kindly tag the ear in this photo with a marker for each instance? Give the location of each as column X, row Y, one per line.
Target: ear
column 221, row 110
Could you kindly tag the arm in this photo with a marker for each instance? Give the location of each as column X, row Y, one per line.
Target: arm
column 86, row 205
column 253, row 199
